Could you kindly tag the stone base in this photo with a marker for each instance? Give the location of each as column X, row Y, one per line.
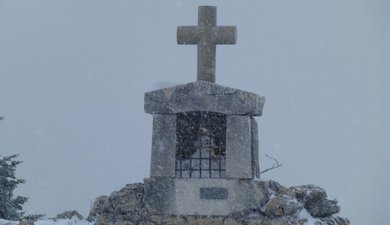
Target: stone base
column 218, row 197
column 298, row 205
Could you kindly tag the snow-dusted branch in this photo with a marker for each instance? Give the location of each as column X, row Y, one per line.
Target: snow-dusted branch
column 274, row 166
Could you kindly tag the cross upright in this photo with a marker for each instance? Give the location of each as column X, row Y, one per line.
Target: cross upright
column 206, row 36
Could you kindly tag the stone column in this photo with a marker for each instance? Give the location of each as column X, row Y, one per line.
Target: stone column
column 163, row 146
column 238, row 147
column 255, row 148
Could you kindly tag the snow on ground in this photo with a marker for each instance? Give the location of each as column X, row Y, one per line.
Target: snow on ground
column 303, row 214
column 73, row 221
column 3, row 222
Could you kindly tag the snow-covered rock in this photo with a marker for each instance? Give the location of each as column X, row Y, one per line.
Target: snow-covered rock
column 315, row 200
column 69, row 215
column 97, row 207
column 301, row 205
column 281, row 205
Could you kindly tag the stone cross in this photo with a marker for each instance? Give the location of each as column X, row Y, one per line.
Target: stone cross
column 206, row 35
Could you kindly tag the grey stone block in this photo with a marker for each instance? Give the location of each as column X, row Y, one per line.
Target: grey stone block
column 255, row 148
column 174, row 196
column 163, row 146
column 238, row 147
column 160, row 195
column 203, row 96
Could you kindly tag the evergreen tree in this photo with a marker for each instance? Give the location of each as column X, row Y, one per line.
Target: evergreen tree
column 10, row 206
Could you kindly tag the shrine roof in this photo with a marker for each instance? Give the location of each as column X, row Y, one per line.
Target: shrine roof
column 203, row 96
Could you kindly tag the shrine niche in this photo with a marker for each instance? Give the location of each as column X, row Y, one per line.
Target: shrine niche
column 201, row 145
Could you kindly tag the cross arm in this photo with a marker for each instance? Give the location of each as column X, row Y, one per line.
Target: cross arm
column 226, row 35
column 188, row 35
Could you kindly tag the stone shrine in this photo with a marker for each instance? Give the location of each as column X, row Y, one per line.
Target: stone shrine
column 205, row 156
column 205, row 138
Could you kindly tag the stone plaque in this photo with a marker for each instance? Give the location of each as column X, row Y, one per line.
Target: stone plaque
column 213, row 193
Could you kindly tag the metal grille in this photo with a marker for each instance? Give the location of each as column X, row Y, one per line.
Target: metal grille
column 201, row 151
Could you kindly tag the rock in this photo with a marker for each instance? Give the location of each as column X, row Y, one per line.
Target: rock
column 128, row 200
column 209, row 221
column 69, row 215
column 268, row 222
column 231, row 221
column 171, row 220
column 125, row 223
column 191, row 220
column 277, row 188
column 104, row 220
column 322, row 207
column 276, row 222
column 26, row 222
column 302, row 192
column 332, row 220
column 281, row 205
column 100, row 204
column 315, row 200
column 10, row 223
column 125, row 205
column 302, row 221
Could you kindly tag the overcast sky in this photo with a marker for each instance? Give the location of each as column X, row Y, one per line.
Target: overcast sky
column 73, row 74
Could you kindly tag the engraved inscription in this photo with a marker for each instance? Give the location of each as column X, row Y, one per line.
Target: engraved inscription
column 213, row 193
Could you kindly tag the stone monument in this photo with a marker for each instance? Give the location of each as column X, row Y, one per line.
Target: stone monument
column 205, row 137
column 205, row 156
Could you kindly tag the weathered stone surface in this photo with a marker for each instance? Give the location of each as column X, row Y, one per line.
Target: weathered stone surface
column 255, row 148
column 231, row 221
column 127, row 207
column 332, row 220
column 106, row 219
column 261, row 193
column 98, row 207
column 277, row 222
column 124, row 206
column 203, row 96
column 303, row 191
column 125, row 223
column 160, row 195
column 282, row 205
column 69, row 215
column 242, row 194
column 25, row 222
column 127, row 201
column 277, row 188
column 267, row 221
column 183, row 196
column 315, row 200
column 274, row 222
column 321, row 207
column 171, row 220
column 12, row 222
column 206, row 35
column 163, row 146
column 209, row 221
column 238, row 147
